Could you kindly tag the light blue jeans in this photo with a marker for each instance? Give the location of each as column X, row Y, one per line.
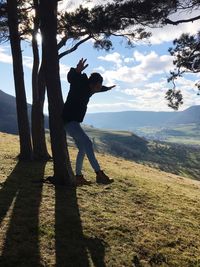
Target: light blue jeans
column 84, row 145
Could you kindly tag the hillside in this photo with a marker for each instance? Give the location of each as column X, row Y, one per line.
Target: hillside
column 175, row 158
column 190, row 115
column 181, row 133
column 127, row 120
column 8, row 114
column 145, row 218
column 131, row 120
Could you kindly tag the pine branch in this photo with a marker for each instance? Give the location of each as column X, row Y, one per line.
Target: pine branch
column 168, row 21
column 62, row 42
column 72, row 49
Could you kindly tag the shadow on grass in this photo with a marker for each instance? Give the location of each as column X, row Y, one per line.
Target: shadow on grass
column 20, row 200
column 72, row 247
column 20, row 195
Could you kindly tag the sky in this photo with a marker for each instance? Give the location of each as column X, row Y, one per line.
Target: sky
column 139, row 73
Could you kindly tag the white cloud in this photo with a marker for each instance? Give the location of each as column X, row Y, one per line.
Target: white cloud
column 152, row 95
column 114, row 57
column 129, row 105
column 100, row 69
column 106, row 107
column 4, row 56
column 128, row 60
column 124, row 74
column 28, row 62
column 152, row 63
column 170, row 32
column 148, row 65
column 64, row 69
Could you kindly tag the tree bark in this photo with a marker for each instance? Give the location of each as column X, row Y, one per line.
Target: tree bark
column 48, row 26
column 21, row 103
column 37, row 117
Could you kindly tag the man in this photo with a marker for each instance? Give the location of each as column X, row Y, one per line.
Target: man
column 75, row 107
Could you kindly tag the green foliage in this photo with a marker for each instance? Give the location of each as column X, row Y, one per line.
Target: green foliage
column 101, row 22
column 186, row 53
column 24, row 19
column 174, row 98
column 3, row 22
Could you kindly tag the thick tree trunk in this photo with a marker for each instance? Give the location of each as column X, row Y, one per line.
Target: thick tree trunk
column 37, row 117
column 48, row 20
column 22, row 116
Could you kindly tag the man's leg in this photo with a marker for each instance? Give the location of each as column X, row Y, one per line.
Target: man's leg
column 79, row 158
column 80, row 180
column 84, row 145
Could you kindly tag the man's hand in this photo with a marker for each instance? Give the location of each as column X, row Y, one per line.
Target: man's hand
column 81, row 65
column 111, row 87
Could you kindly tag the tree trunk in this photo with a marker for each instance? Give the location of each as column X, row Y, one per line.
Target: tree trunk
column 48, row 20
column 37, row 117
column 22, row 116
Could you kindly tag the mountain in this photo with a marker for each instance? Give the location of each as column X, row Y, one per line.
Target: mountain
column 8, row 114
column 126, row 120
column 188, row 116
column 130, row 120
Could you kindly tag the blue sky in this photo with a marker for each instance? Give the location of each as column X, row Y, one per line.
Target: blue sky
column 140, row 73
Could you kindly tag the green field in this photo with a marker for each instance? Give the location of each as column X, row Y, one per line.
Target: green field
column 182, row 133
column 145, row 218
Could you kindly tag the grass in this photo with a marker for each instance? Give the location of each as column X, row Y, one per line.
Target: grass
column 145, row 218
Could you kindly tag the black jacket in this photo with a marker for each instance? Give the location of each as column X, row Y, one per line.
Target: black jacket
column 78, row 97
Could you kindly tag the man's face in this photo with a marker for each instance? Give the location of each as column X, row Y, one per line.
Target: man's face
column 96, row 87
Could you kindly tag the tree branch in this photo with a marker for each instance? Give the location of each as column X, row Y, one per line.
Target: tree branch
column 62, row 42
column 168, row 21
column 74, row 47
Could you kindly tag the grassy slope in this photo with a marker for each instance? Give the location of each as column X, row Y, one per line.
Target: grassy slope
column 175, row 158
column 146, row 218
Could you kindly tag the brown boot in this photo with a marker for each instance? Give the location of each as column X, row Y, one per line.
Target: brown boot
column 80, row 180
column 102, row 178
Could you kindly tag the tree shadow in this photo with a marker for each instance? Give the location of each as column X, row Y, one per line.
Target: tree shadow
column 72, row 247
column 21, row 198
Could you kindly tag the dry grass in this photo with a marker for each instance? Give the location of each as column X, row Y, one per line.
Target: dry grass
column 145, row 218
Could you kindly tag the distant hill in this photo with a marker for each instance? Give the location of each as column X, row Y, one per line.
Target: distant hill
column 126, row 120
column 188, row 116
column 8, row 114
column 130, row 120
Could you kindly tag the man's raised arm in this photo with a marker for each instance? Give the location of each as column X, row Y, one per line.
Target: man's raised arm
column 74, row 73
column 106, row 88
